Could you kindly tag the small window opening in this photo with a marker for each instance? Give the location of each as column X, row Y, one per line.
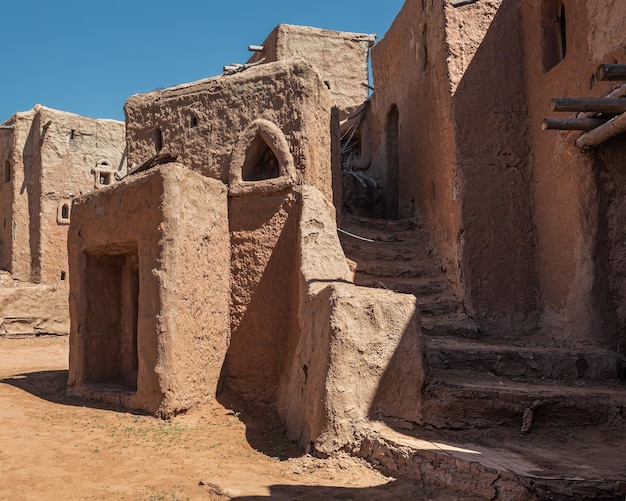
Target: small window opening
column 63, row 213
column 104, row 178
column 72, row 134
column 7, row 171
column 562, row 32
column 63, row 276
column 194, row 121
column 158, row 140
column 554, row 33
column 261, row 162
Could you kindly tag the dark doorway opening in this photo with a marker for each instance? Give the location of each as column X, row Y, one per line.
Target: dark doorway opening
column 112, row 289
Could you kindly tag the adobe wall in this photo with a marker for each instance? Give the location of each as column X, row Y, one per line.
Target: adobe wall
column 6, row 198
column 149, row 292
column 70, row 147
column 264, row 315
column 579, row 213
column 340, row 58
column 410, row 73
column 27, row 309
column 358, row 352
column 200, row 122
column 17, row 195
column 493, row 164
column 52, row 154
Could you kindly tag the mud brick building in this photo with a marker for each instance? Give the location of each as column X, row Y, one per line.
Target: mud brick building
column 48, row 157
column 421, row 275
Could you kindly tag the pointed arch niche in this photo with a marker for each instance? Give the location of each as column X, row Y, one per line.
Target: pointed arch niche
column 261, row 161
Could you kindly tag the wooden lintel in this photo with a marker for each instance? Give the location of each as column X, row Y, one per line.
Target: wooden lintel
column 602, row 133
column 611, row 72
column 594, row 104
column 572, row 123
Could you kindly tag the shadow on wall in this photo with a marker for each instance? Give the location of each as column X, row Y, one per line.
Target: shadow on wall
column 265, row 294
column 494, row 163
column 394, row 402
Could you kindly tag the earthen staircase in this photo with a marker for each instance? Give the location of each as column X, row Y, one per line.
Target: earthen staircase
column 502, row 419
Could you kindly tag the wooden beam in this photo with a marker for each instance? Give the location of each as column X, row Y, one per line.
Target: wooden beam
column 595, row 104
column 460, row 3
column 611, row 72
column 572, row 123
column 602, row 133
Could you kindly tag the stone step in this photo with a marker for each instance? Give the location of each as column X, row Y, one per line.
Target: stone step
column 355, row 249
column 456, row 324
column 394, row 269
column 569, row 464
column 350, row 222
column 418, row 286
column 438, row 304
column 461, row 399
column 527, row 363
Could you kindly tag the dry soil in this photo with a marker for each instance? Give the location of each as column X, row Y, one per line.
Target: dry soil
column 57, row 447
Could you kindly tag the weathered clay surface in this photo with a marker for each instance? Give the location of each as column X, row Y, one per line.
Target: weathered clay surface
column 340, row 58
column 52, row 155
column 201, row 122
column 359, row 350
column 577, row 213
column 149, row 297
column 27, row 308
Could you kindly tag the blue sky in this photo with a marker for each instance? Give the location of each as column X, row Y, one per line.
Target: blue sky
column 88, row 56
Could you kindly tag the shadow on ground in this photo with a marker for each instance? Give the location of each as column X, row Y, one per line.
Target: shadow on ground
column 52, row 385
column 397, row 489
column 265, row 431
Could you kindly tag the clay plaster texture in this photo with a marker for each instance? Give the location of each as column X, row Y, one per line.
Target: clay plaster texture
column 280, row 321
column 359, row 351
column 200, row 123
column 494, row 166
column 457, row 161
column 48, row 157
column 149, row 296
column 28, row 308
column 340, row 58
column 411, row 134
column 52, row 156
column 578, row 213
column 499, row 196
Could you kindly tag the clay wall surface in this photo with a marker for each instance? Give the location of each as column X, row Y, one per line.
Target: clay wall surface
column 358, row 351
column 27, row 309
column 16, row 253
column 340, row 58
column 52, row 154
column 6, row 198
column 493, row 164
column 70, row 147
column 149, row 292
column 200, row 122
column 579, row 212
column 410, row 76
column 264, row 264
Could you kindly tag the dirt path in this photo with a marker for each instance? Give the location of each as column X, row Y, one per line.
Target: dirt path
column 56, row 447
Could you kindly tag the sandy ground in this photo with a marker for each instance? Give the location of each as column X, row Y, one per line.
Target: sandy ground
column 57, row 447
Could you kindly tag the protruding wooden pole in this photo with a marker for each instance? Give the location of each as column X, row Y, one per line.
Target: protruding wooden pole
column 595, row 104
column 611, row 72
column 572, row 123
column 602, row 133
